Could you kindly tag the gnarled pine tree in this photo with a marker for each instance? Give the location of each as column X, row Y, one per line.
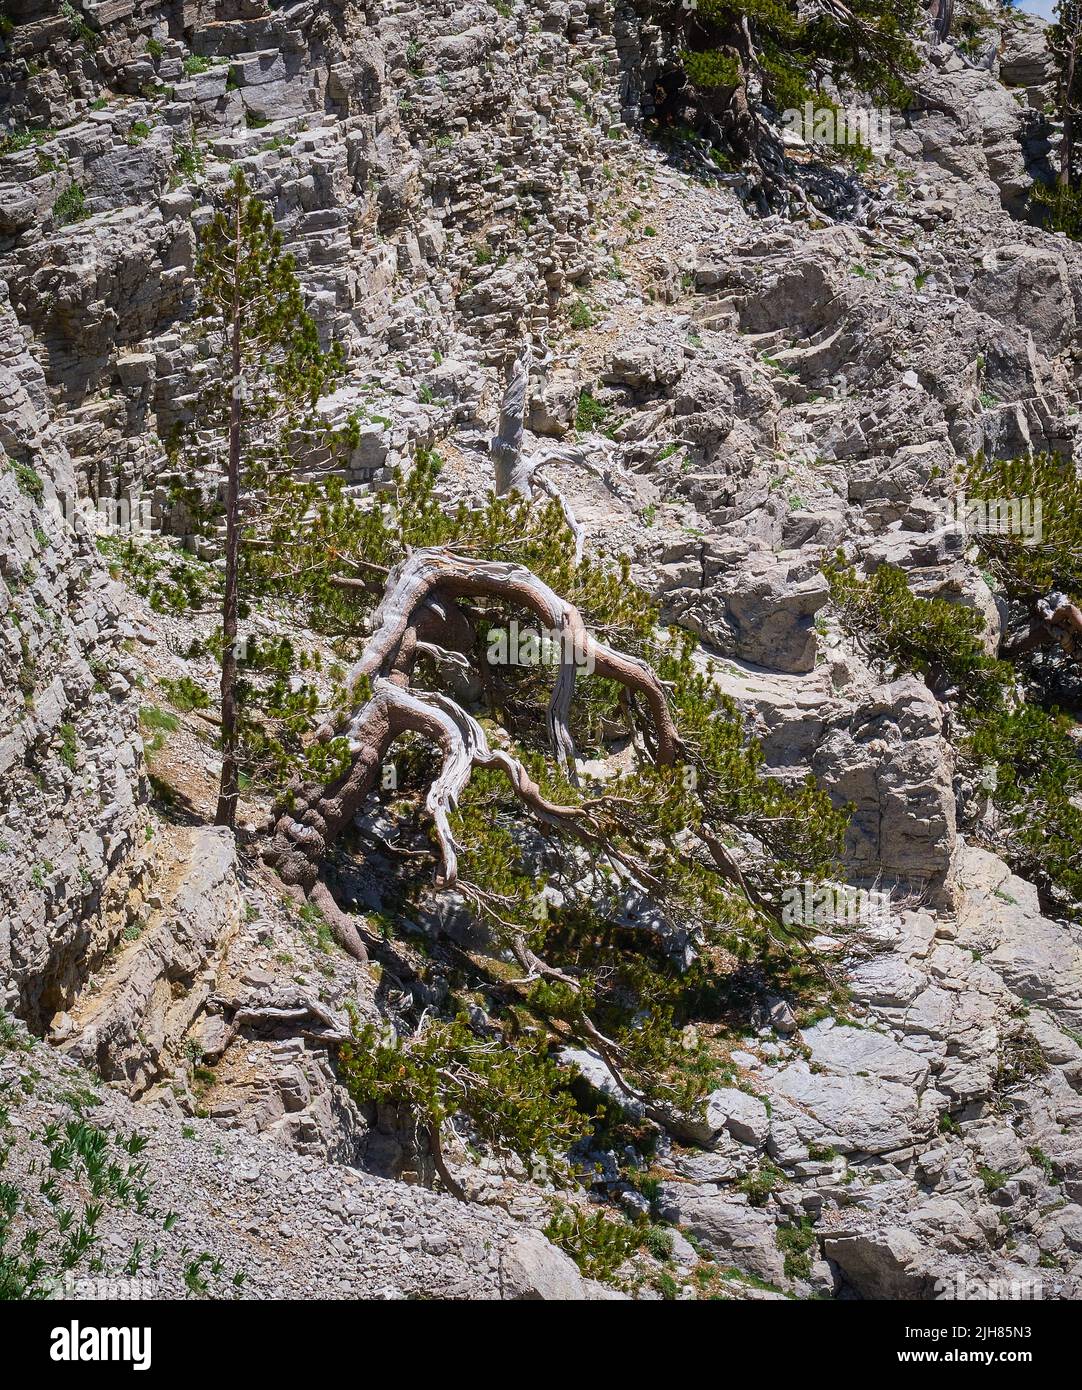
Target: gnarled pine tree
column 614, row 891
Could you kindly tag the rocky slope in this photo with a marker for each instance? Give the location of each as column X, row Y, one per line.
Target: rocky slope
column 452, row 179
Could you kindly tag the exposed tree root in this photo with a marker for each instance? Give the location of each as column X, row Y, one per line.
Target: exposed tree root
column 308, row 1019
column 1053, row 621
column 344, row 928
column 452, row 1184
column 305, row 834
column 438, row 574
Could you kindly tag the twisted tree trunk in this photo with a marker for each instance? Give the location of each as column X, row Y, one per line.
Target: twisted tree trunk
column 512, row 474
column 522, row 474
column 420, row 613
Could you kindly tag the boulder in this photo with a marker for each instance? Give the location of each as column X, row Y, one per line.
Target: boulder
column 753, row 604
column 642, row 364
column 853, row 1114
column 132, row 1028
column 1029, row 286
column 1025, row 59
column 892, row 762
column 532, row 1268
column 879, row 1265
column 860, row 1051
column 1041, row 960
column 734, row 1232
column 745, row 1117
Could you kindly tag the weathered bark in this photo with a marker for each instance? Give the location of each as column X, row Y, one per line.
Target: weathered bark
column 421, row 599
column 307, row 1019
column 1052, row 621
column 941, row 13
column 439, row 1162
column 439, row 572
column 421, row 614
column 507, row 453
column 1065, row 620
column 520, row 474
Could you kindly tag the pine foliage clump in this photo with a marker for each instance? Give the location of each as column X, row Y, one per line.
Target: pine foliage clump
column 738, row 54
column 1014, row 740
column 613, row 918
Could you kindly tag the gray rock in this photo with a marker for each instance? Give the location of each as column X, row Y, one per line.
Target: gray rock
column 859, row 1051
column 879, row 1265
column 734, row 1233
column 532, row 1268
column 745, row 1117
column 853, row 1114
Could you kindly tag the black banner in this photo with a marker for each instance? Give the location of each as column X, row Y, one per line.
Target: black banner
column 147, row 1339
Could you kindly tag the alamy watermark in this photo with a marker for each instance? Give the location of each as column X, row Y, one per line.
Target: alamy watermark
column 968, row 1288
column 106, row 516
column 865, row 126
column 76, row 1342
column 524, row 646
column 105, row 1288
column 1022, row 517
column 834, row 905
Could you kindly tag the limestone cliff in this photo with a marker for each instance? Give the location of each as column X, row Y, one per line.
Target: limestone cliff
column 452, row 179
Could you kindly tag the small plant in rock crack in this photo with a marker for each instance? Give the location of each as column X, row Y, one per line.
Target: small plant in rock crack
column 591, row 415
column 760, row 1183
column 69, row 746
column 797, row 1242
column 198, row 1274
column 29, row 481
column 599, row 1244
column 992, row 1178
column 71, row 206
column 580, row 315
column 1019, row 1060
column 78, row 28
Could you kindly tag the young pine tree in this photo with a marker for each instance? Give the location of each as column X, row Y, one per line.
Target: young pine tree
column 1065, row 43
column 266, row 372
